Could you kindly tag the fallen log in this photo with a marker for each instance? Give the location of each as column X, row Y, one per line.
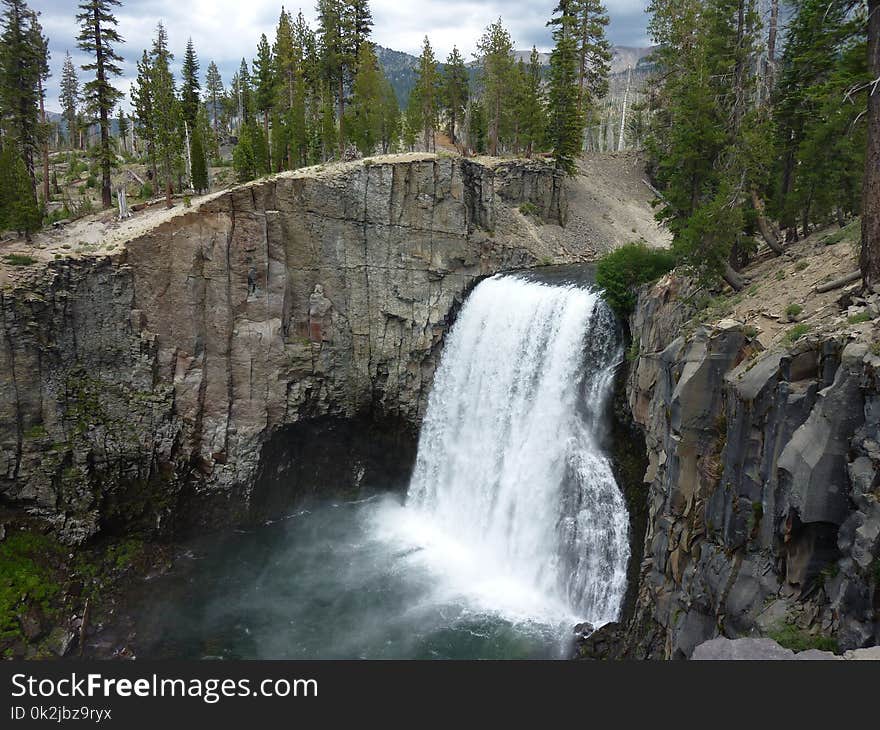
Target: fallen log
column 837, row 283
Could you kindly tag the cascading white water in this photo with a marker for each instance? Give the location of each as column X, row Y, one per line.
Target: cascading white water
column 509, row 461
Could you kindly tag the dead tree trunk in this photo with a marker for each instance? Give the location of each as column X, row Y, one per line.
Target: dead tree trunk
column 764, row 225
column 869, row 261
column 837, row 283
column 45, row 146
column 733, row 278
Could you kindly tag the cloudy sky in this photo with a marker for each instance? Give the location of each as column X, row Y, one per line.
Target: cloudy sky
column 226, row 30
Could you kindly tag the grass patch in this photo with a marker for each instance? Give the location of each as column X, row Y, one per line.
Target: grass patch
column 801, row 265
column 19, row 259
column 796, row 332
column 797, row 639
column 793, row 310
column 528, row 209
column 860, row 317
column 780, row 275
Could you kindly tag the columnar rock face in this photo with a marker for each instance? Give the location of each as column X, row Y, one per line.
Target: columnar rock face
column 762, row 484
column 145, row 384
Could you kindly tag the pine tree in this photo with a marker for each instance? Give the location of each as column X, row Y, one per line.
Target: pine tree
column 456, row 91
column 870, row 254
column 359, row 25
column 565, row 125
column 18, row 203
column 167, row 117
column 699, row 139
column 531, row 112
column 264, row 84
column 305, row 124
column 496, row 56
column 199, row 160
column 477, row 132
column 428, row 89
column 190, row 88
column 243, row 156
column 97, row 38
column 69, row 98
column 242, row 94
column 823, row 58
column 287, row 60
column 412, row 120
column 21, row 66
column 142, row 101
column 390, row 117
column 334, row 52
column 41, row 43
column 329, row 137
column 365, row 125
column 594, row 50
column 122, row 124
column 214, row 93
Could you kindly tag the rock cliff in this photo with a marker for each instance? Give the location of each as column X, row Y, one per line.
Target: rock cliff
column 762, row 485
column 139, row 389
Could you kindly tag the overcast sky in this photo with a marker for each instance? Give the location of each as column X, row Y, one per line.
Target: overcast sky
column 226, row 30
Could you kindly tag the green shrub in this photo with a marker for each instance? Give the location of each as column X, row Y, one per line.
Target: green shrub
column 797, row 639
column 528, row 209
column 634, row 350
column 801, row 265
column 146, row 191
column 18, row 259
column 793, row 310
column 860, row 317
column 796, row 332
column 619, row 272
column 91, row 181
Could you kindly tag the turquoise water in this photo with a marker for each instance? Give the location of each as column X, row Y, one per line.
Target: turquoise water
column 343, row 580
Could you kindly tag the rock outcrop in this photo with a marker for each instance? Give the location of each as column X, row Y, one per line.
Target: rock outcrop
column 762, row 485
column 766, row 649
column 139, row 389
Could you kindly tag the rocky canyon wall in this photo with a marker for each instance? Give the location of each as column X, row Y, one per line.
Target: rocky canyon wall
column 762, row 485
column 138, row 390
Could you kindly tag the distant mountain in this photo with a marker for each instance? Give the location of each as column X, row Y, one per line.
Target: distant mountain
column 627, row 57
column 400, row 68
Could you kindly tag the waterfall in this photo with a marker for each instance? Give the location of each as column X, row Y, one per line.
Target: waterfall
column 510, row 460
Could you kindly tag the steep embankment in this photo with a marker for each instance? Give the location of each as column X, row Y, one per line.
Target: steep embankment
column 764, row 511
column 144, row 374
